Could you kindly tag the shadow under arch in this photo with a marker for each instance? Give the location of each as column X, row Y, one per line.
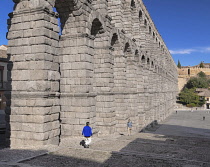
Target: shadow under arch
column 143, row 59
column 96, row 27
column 64, row 10
column 148, row 61
column 137, row 56
column 127, row 48
column 115, row 40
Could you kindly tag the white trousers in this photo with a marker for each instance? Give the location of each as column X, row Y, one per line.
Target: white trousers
column 87, row 140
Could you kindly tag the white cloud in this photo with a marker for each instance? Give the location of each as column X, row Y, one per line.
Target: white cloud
column 208, row 49
column 184, row 51
column 189, row 51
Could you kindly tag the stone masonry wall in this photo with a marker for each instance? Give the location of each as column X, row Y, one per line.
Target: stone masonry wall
column 108, row 64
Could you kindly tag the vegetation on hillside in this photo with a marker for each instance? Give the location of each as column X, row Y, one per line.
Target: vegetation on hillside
column 188, row 96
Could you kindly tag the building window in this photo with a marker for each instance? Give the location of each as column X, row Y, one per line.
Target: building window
column 1, row 76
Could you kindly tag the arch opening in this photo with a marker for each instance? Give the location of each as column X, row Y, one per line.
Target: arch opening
column 133, row 4
column 152, row 64
column 148, row 61
column 64, row 11
column 114, row 41
column 150, row 30
column 140, row 15
column 143, row 59
column 59, row 22
column 96, row 27
column 137, row 56
column 127, row 48
column 145, row 22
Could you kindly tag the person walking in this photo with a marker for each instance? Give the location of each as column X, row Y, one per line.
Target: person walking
column 87, row 133
column 129, row 127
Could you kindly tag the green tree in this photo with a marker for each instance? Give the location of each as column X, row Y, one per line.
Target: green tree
column 201, row 102
column 179, row 64
column 197, row 82
column 188, row 96
column 201, row 74
column 201, row 65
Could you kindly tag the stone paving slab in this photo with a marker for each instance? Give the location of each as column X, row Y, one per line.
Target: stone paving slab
column 160, row 146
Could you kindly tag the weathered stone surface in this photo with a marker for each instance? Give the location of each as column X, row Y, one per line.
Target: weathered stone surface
column 34, row 118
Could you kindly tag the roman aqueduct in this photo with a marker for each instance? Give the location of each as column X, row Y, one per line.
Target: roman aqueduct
column 105, row 63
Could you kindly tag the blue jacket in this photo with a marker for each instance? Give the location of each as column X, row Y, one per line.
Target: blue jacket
column 129, row 124
column 87, row 131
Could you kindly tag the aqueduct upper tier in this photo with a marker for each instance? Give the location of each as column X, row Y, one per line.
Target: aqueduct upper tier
column 105, row 63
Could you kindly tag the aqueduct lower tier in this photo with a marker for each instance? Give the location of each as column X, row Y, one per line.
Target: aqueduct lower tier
column 108, row 64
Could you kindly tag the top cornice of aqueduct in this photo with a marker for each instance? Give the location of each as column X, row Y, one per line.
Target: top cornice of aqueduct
column 139, row 6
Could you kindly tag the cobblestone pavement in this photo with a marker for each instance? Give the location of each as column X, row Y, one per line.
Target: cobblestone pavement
column 183, row 140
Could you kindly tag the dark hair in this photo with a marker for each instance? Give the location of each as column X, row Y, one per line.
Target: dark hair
column 87, row 123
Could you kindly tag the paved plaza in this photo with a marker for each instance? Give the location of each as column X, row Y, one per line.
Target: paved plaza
column 182, row 140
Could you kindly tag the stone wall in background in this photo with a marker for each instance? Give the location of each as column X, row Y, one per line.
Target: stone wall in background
column 107, row 64
column 185, row 73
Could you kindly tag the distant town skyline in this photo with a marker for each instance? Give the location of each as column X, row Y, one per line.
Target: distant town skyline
column 183, row 25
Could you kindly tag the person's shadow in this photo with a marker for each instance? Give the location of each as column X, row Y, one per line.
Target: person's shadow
column 82, row 143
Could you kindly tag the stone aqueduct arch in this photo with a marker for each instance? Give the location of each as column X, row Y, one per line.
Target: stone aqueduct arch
column 108, row 64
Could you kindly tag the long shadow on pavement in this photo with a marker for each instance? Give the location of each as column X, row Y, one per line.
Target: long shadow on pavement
column 159, row 151
column 139, row 153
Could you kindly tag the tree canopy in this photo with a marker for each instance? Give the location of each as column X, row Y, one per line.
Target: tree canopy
column 197, row 82
column 179, row 64
column 201, row 65
column 201, row 74
column 188, row 96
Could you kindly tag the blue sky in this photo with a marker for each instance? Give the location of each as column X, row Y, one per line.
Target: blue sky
column 183, row 24
column 185, row 27
column 6, row 7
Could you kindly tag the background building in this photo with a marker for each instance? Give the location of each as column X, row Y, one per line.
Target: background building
column 3, row 80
